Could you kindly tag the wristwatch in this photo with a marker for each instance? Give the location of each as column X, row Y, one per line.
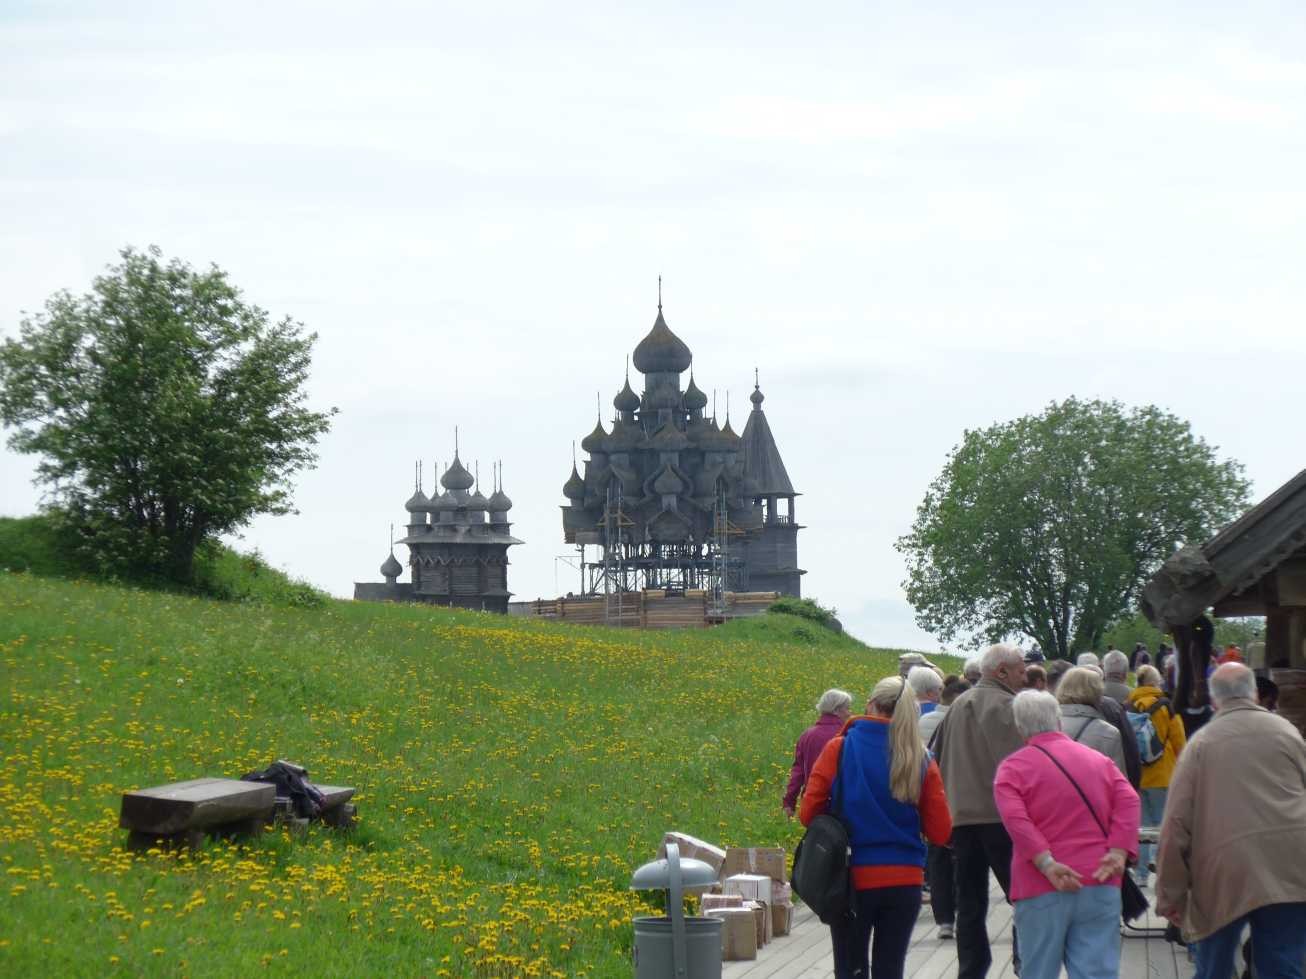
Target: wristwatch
column 1044, row 862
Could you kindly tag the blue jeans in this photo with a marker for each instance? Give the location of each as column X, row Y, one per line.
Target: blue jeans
column 1153, row 801
column 1278, row 944
column 890, row 914
column 1080, row 929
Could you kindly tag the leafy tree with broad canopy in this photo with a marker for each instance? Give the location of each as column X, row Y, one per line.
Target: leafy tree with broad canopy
column 1048, row 526
column 166, row 411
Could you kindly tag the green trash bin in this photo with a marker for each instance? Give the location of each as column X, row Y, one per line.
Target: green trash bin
column 676, row 947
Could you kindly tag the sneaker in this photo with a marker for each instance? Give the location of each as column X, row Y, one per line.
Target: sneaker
column 945, row 931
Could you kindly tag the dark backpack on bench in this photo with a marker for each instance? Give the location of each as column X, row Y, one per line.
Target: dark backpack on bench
column 292, row 783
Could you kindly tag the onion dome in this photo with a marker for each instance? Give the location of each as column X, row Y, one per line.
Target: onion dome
column 625, row 436
column 477, row 501
column 694, row 398
column 728, row 435
column 417, row 503
column 757, row 397
column 499, row 502
column 668, row 483
column 661, row 352
column 456, row 477
column 574, row 488
column 596, row 440
column 391, row 568
column 668, row 439
column 626, row 399
column 712, row 438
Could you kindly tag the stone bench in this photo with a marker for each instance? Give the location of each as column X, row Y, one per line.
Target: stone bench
column 184, row 812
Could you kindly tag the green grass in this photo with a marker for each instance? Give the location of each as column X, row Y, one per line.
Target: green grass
column 511, row 775
column 34, row 545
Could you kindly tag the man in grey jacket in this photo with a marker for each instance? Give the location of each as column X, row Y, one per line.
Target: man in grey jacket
column 1234, row 834
column 973, row 739
column 1115, row 667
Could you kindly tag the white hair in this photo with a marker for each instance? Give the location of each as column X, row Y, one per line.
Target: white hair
column 997, row 656
column 1115, row 664
column 832, row 700
column 971, row 669
column 1232, row 681
column 1035, row 712
column 1088, row 659
column 923, row 680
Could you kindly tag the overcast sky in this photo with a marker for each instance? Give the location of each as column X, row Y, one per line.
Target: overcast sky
column 911, row 221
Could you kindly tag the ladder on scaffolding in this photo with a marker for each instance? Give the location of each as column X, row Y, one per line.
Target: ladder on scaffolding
column 722, row 531
column 615, row 525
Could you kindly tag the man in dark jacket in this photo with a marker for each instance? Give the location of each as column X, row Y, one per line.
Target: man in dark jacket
column 1113, row 713
column 975, row 736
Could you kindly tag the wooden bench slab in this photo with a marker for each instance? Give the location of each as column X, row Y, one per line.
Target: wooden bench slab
column 335, row 795
column 197, row 804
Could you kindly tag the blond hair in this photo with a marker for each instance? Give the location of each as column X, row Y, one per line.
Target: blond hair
column 1081, row 685
column 906, row 752
column 1149, row 676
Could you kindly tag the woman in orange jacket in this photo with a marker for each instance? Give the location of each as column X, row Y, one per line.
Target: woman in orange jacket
column 890, row 795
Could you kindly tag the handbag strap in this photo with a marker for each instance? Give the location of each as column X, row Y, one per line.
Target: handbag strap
column 1089, row 805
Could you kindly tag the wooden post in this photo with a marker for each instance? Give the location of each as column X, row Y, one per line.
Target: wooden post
column 1277, row 633
column 1193, row 647
column 1297, row 639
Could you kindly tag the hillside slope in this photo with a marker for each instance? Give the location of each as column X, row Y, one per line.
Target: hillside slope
column 510, row 775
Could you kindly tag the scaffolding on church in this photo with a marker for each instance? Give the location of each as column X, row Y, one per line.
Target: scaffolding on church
column 728, row 574
column 672, row 501
column 624, row 566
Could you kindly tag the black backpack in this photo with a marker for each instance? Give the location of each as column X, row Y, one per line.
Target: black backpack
column 822, row 862
column 292, row 783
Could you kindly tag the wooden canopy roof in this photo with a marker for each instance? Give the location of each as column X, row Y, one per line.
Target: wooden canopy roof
column 1254, row 565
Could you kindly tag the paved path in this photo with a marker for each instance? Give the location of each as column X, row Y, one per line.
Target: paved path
column 805, row 952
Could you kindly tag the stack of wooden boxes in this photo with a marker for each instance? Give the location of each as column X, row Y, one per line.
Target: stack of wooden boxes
column 752, row 899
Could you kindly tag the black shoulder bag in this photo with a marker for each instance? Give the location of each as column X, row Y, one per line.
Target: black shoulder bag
column 1133, row 902
column 822, row 874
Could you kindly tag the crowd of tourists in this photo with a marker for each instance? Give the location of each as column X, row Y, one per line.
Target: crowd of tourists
column 1042, row 773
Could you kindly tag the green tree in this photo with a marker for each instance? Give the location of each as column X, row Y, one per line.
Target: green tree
column 1130, row 629
column 166, row 411
column 1048, row 526
column 1134, row 627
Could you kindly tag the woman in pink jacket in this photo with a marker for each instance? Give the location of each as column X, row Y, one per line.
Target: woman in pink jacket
column 834, row 708
column 1073, row 821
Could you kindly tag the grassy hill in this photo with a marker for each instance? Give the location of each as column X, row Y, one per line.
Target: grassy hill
column 511, row 775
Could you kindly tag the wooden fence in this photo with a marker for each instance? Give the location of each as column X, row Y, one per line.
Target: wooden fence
column 651, row 609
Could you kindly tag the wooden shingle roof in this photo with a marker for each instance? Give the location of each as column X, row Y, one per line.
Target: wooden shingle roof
column 1233, row 561
column 762, row 462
